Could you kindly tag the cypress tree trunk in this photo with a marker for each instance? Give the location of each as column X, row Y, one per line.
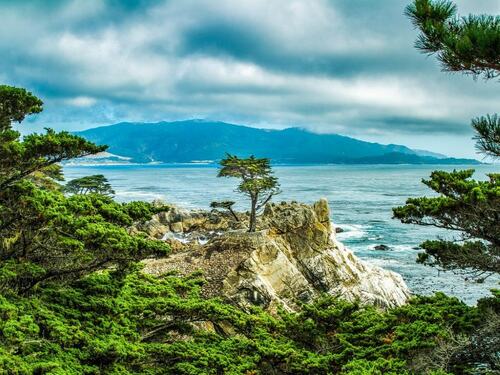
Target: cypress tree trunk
column 253, row 214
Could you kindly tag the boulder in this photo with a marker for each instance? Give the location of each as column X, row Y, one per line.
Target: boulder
column 179, row 220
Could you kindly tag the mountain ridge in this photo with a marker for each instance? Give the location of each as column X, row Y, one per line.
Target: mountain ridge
column 193, row 140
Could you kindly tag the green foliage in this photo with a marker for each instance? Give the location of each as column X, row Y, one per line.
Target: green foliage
column 467, row 44
column 37, row 154
column 222, row 204
column 257, row 181
column 465, row 205
column 15, row 104
column 118, row 323
column 45, row 236
column 96, row 184
column 470, row 45
column 488, row 134
column 225, row 205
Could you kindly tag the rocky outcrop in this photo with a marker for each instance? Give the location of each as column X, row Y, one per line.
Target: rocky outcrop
column 292, row 258
column 184, row 229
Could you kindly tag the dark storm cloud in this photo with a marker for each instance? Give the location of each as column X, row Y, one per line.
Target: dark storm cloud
column 232, row 40
column 244, row 39
column 330, row 66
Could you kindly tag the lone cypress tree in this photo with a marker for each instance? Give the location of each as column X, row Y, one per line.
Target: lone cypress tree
column 257, row 181
column 470, row 45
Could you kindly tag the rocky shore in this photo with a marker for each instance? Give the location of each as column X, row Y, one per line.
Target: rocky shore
column 292, row 258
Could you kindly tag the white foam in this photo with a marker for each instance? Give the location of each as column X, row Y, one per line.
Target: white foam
column 175, row 236
column 393, row 248
column 351, row 231
column 382, row 262
column 403, row 248
column 138, row 195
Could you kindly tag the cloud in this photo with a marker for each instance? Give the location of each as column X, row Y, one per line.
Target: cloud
column 330, row 66
column 81, row 101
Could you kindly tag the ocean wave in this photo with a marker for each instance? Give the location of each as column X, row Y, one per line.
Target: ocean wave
column 382, row 262
column 138, row 195
column 403, row 247
column 395, row 247
column 351, row 231
column 97, row 164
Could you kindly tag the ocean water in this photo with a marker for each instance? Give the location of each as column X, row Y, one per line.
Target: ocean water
column 361, row 198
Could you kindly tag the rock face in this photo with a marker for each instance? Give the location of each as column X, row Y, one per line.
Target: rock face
column 183, row 229
column 293, row 257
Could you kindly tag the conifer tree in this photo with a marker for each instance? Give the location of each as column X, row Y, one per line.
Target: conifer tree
column 470, row 45
column 257, row 181
column 226, row 205
column 97, row 184
column 45, row 236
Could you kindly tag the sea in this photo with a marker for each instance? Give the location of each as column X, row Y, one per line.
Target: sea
column 361, row 199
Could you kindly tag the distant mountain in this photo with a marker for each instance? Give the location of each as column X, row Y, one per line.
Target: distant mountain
column 429, row 153
column 198, row 140
column 402, row 158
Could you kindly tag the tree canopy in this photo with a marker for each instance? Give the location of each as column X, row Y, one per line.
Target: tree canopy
column 226, row 205
column 115, row 323
column 257, row 181
column 44, row 235
column 97, row 184
column 488, row 135
column 472, row 208
column 15, row 104
column 469, row 45
column 462, row 44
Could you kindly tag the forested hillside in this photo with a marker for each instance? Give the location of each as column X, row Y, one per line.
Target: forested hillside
column 196, row 140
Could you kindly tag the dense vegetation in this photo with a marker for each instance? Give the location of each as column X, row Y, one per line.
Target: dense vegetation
column 465, row 205
column 117, row 323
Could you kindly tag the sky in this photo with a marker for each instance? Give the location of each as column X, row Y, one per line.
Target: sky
column 330, row 66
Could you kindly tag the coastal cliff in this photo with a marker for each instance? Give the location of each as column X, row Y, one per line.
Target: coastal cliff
column 292, row 258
